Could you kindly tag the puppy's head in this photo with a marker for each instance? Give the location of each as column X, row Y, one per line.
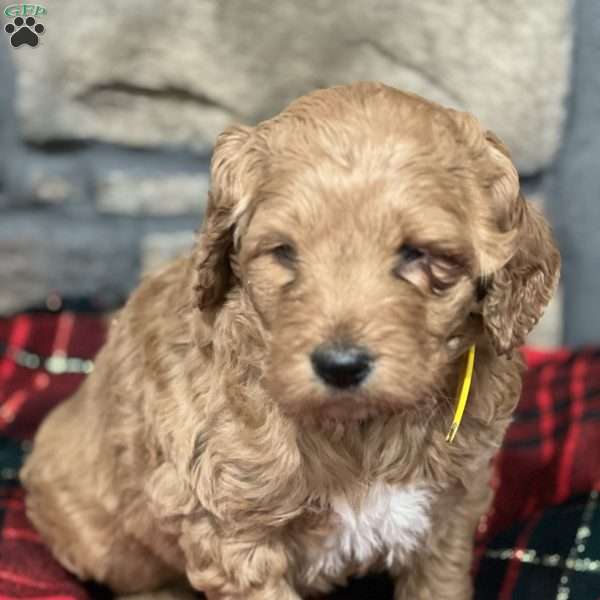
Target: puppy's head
column 370, row 230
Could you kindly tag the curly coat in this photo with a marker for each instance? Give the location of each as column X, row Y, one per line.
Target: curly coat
column 204, row 445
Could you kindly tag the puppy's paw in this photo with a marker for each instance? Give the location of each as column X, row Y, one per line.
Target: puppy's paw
column 274, row 592
column 175, row 592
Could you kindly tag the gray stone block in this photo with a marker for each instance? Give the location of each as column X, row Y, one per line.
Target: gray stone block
column 150, row 73
column 42, row 253
column 33, row 177
column 123, row 192
column 160, row 248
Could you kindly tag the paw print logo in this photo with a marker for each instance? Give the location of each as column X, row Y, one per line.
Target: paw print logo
column 24, row 31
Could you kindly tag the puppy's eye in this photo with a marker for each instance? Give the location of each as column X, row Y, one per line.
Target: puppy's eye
column 285, row 254
column 410, row 254
column 411, row 263
column 426, row 269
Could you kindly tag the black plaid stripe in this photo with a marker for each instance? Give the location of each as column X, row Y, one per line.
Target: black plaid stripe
column 552, row 449
column 553, row 565
column 11, row 456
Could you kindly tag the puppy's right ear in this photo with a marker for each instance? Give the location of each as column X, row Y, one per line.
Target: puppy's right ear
column 233, row 174
column 523, row 261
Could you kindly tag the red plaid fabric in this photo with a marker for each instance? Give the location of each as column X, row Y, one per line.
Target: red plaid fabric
column 27, row 570
column 552, row 451
column 26, row 394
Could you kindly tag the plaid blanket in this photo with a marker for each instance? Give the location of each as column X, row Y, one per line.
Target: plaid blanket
column 541, row 539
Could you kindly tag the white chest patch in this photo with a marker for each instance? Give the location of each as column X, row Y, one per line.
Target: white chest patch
column 390, row 524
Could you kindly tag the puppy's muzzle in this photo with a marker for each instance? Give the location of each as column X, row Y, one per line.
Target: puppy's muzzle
column 341, row 366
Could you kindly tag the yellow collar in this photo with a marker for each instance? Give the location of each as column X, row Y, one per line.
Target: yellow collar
column 462, row 393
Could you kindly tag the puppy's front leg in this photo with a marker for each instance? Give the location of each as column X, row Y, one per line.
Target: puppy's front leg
column 240, row 567
column 443, row 575
column 435, row 583
column 272, row 592
column 444, row 572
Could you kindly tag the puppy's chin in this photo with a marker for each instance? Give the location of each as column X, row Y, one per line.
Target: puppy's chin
column 340, row 412
column 336, row 410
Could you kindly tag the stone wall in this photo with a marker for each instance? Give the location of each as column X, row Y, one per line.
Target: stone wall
column 106, row 128
column 83, row 218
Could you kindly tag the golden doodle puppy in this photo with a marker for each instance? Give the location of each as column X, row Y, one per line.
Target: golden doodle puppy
column 269, row 415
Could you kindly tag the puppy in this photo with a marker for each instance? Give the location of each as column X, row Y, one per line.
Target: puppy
column 269, row 416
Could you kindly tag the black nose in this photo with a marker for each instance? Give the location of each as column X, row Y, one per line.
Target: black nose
column 341, row 366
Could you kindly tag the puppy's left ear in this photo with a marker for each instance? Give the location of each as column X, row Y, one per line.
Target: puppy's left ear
column 521, row 288
column 233, row 174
